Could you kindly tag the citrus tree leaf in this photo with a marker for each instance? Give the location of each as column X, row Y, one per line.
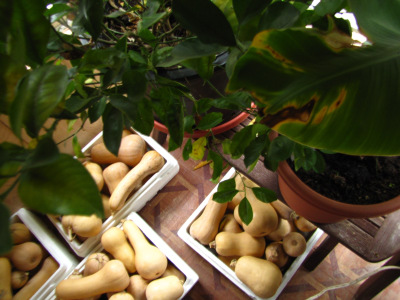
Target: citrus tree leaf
column 264, row 195
column 61, row 187
column 210, row 120
column 245, row 211
column 339, row 104
column 38, row 95
column 279, row 15
column 112, row 128
column 90, row 16
column 206, row 20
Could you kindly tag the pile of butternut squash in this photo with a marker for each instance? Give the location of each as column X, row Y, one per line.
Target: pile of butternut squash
column 260, row 251
column 26, row 267
column 129, row 267
column 116, row 177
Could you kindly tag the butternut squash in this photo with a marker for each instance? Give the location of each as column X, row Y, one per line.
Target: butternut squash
column 19, row 279
column 166, row 288
column 121, row 296
column 302, row 223
column 259, row 275
column 274, row 253
column 265, row 219
column 227, row 260
column 229, row 224
column 113, row 174
column 106, row 205
column 172, row 270
column 96, row 172
column 5, row 279
column 131, row 151
column 137, row 287
column 113, row 277
column 150, row 262
column 20, row 233
column 282, row 209
column 294, row 244
column 95, row 262
column 205, row 227
column 115, row 242
column 26, row 256
column 238, row 244
column 49, row 267
column 83, row 226
column 283, row 229
column 151, row 163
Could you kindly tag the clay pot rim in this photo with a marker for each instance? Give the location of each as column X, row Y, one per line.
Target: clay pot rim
column 215, row 130
column 333, row 206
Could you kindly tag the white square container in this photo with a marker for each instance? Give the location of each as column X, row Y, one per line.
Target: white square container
column 184, row 234
column 135, row 203
column 66, row 260
column 155, row 239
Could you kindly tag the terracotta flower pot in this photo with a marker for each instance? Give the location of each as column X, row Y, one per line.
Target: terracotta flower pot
column 318, row 208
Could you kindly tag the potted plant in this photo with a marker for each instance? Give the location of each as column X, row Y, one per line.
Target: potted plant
column 89, row 60
column 320, row 89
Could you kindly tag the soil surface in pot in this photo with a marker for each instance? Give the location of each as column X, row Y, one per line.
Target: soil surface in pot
column 356, row 180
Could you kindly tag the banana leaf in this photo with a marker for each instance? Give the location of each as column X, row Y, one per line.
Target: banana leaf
column 323, row 91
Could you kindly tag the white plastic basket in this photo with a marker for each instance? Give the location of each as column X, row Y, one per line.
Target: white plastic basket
column 154, row 238
column 135, row 203
column 184, row 234
column 66, row 260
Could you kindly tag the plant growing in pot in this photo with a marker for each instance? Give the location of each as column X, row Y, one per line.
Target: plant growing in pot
column 320, row 89
column 88, row 60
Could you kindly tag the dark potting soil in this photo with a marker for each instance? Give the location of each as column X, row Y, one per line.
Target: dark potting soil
column 356, row 180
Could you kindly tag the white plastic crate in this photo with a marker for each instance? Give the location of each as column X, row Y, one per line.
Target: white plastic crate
column 66, row 260
column 135, row 203
column 154, row 238
column 184, row 234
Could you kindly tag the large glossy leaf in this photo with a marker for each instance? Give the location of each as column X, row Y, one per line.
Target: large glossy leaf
column 38, row 95
column 112, row 129
column 379, row 20
column 90, row 16
column 204, row 19
column 61, row 187
column 341, row 99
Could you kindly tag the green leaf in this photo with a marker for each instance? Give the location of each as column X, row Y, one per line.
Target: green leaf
column 90, row 16
column 209, row 121
column 45, row 153
column 203, row 66
column 77, row 147
column 264, row 195
column 204, row 19
column 242, row 139
column 5, row 233
column 235, row 101
column 329, row 7
column 188, row 123
column 217, row 164
column 255, row 149
column 246, row 10
column 224, row 196
column 189, row 49
column 149, row 20
column 227, row 185
column 281, row 148
column 187, row 149
column 31, row 29
column 279, row 15
column 38, row 95
column 338, row 105
column 169, row 109
column 112, row 128
column 63, row 187
column 245, row 211
column 97, row 109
